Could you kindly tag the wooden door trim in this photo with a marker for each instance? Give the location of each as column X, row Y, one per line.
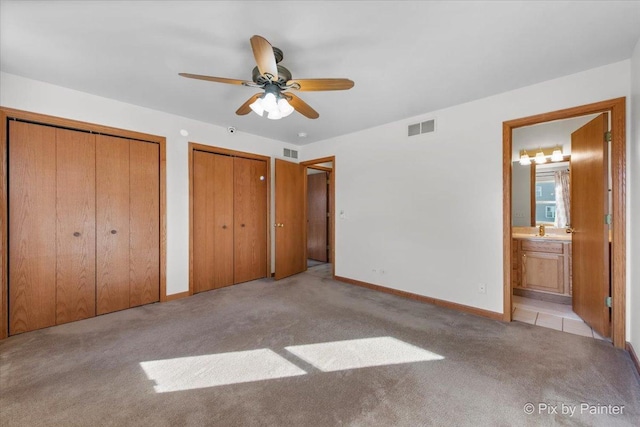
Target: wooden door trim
column 332, row 202
column 194, row 146
column 11, row 113
column 617, row 108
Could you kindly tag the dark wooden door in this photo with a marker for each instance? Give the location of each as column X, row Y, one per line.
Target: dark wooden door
column 290, row 219
column 32, row 227
column 112, row 224
column 589, row 205
column 75, row 225
column 144, row 223
column 212, row 221
column 250, row 223
column 317, row 208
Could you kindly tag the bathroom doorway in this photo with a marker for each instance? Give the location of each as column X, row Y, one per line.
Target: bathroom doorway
column 543, row 264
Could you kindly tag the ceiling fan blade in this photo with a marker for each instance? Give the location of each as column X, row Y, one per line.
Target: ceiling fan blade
column 266, row 60
column 214, row 79
column 320, row 84
column 245, row 108
column 301, row 107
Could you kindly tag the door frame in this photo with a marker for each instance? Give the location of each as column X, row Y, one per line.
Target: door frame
column 13, row 114
column 617, row 108
column 194, row 146
column 332, row 207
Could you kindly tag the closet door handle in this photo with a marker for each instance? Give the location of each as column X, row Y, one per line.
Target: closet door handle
column 113, row 231
column 224, row 226
column 242, row 225
column 76, row 234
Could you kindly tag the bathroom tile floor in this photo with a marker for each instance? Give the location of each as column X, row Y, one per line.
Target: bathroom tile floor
column 551, row 315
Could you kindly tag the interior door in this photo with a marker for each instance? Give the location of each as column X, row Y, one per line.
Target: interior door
column 75, row 225
column 250, row 219
column 317, row 209
column 290, row 230
column 589, row 205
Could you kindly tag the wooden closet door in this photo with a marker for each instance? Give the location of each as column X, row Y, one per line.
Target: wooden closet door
column 32, row 227
column 317, row 208
column 250, row 212
column 75, row 225
column 212, row 221
column 112, row 224
column 144, row 222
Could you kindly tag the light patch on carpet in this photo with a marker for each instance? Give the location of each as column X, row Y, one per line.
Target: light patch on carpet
column 211, row 370
column 361, row 353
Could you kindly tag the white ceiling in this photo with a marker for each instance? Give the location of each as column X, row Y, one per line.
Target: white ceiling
column 406, row 58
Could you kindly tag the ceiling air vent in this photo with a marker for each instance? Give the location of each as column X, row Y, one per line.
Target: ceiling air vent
column 424, row 127
column 290, row 153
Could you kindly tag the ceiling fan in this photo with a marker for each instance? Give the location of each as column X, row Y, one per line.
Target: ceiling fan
column 277, row 82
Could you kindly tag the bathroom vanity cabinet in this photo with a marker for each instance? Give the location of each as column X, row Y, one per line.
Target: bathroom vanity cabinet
column 542, row 264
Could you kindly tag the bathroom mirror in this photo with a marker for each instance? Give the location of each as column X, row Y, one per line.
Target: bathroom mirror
column 535, row 187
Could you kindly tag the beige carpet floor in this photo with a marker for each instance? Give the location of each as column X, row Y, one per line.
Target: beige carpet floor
column 308, row 351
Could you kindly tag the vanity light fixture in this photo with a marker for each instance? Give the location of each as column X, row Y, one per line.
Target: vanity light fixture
column 543, row 155
column 540, row 157
column 557, row 156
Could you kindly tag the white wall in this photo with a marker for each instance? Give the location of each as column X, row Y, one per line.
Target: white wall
column 633, row 182
column 428, row 209
column 30, row 95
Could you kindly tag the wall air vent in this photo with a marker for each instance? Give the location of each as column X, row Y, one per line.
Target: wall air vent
column 425, row 127
column 291, row 153
column 414, row 129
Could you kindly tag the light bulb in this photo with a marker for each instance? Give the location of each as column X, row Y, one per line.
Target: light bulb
column 269, row 103
column 284, row 107
column 257, row 107
column 525, row 160
column 540, row 158
column 556, row 156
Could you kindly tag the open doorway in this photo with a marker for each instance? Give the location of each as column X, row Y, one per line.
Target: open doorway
column 611, row 321
column 320, row 196
column 542, row 204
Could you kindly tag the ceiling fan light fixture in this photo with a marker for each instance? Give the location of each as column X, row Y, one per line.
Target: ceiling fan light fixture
column 284, row 107
column 269, row 102
column 275, row 115
column 257, row 107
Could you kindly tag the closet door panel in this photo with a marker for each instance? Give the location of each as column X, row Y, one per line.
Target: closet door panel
column 112, row 224
column 203, row 244
column 75, row 226
column 250, row 211
column 212, row 221
column 32, row 227
column 223, row 221
column 144, row 220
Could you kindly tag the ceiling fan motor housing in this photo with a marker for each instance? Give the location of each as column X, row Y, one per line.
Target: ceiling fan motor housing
column 284, row 76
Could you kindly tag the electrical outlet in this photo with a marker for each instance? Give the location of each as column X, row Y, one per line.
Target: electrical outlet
column 482, row 288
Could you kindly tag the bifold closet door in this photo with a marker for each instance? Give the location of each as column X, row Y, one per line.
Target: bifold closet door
column 212, row 221
column 144, row 223
column 75, row 226
column 112, row 224
column 32, row 227
column 250, row 212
